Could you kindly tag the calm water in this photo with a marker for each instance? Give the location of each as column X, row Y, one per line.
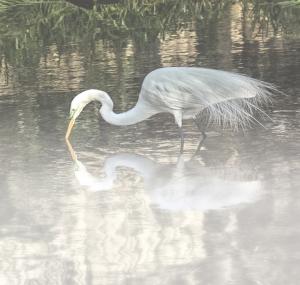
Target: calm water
column 129, row 210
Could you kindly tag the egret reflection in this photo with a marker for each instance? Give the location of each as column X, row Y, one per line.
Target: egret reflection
column 185, row 185
column 88, row 180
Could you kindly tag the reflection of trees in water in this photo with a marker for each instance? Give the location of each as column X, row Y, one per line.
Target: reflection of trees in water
column 63, row 236
column 119, row 65
column 55, row 237
column 273, row 16
column 27, row 30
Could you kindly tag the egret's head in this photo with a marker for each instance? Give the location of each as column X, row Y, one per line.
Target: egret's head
column 76, row 108
column 81, row 100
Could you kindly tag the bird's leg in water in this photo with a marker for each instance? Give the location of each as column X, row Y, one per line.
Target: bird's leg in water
column 178, row 119
column 181, row 139
column 204, row 136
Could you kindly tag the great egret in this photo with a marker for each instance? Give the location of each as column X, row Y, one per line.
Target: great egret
column 186, row 92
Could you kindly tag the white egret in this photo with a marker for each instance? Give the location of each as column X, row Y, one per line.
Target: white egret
column 186, row 92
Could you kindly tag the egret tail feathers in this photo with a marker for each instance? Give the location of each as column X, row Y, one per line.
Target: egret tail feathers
column 240, row 112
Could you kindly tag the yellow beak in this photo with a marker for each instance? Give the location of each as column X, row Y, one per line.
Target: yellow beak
column 71, row 150
column 71, row 125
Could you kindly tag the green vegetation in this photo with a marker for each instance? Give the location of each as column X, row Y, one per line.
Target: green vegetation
column 27, row 26
column 277, row 14
column 145, row 18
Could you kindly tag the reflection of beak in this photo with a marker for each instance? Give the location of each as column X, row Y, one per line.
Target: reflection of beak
column 71, row 125
column 71, row 150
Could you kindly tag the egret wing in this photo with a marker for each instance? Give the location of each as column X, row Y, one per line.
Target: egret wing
column 225, row 95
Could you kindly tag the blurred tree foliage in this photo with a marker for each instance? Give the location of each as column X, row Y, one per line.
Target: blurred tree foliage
column 27, row 26
column 277, row 15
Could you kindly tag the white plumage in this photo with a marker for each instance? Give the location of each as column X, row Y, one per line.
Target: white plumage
column 205, row 95
column 226, row 97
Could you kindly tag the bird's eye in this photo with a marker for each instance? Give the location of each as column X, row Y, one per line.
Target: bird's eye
column 72, row 112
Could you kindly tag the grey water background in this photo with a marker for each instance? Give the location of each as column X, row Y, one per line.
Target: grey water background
column 130, row 210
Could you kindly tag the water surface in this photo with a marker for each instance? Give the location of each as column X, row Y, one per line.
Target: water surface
column 130, row 210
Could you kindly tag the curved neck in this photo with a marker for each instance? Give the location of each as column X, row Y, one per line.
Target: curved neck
column 137, row 114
